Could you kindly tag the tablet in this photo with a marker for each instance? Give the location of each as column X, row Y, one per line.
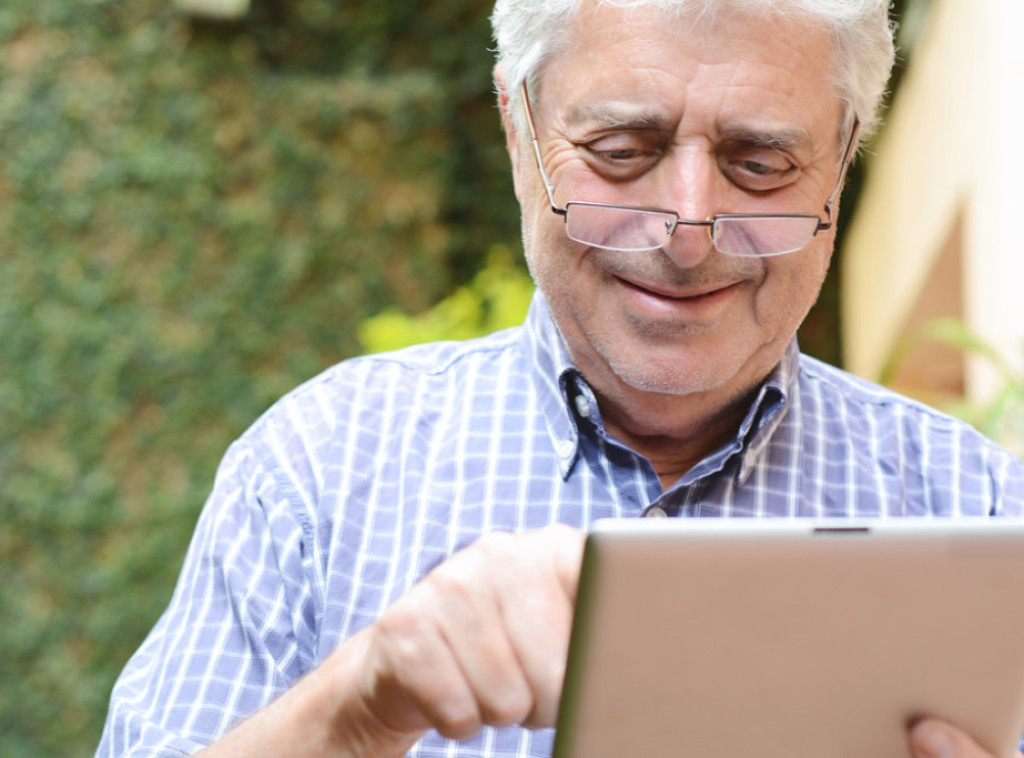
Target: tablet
column 793, row 639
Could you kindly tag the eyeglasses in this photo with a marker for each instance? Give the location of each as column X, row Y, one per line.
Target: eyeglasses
column 628, row 228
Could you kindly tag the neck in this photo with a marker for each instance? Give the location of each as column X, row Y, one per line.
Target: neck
column 675, row 433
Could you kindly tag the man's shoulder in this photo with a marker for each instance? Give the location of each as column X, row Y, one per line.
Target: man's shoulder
column 394, row 384
column 369, row 409
column 847, row 397
column 830, row 380
column 928, row 460
column 433, row 358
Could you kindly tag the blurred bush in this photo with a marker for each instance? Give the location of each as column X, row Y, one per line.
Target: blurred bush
column 497, row 298
column 194, row 218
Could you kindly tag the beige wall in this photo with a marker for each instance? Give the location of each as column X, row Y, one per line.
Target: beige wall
column 939, row 228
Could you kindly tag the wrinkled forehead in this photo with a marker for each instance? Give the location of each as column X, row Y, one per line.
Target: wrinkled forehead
column 778, row 64
column 595, row 25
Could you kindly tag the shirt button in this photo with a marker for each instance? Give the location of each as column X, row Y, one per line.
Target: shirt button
column 582, row 406
column 655, row 512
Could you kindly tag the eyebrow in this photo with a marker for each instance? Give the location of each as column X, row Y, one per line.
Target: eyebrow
column 626, row 116
column 616, row 116
column 789, row 138
column 631, row 117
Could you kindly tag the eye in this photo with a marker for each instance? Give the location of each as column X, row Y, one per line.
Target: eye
column 758, row 169
column 621, row 156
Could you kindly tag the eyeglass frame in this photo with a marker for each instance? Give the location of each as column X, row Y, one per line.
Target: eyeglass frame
column 679, row 220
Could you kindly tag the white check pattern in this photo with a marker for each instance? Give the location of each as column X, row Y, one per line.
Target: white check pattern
column 356, row 484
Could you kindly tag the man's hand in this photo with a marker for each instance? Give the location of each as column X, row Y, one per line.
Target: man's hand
column 481, row 640
column 931, row 738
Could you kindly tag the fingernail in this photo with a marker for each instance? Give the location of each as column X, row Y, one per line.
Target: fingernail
column 931, row 741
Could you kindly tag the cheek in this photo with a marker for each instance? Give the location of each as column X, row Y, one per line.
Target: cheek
column 549, row 263
column 790, row 289
column 549, row 252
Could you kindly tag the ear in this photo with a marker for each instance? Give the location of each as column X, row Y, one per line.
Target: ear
column 513, row 139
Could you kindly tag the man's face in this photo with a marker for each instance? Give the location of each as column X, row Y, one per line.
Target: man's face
column 642, row 109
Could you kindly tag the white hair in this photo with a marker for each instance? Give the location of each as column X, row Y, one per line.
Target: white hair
column 530, row 32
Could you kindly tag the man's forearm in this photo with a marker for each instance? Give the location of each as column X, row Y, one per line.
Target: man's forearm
column 323, row 715
column 460, row 651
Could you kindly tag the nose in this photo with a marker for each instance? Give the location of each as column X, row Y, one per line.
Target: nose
column 691, row 191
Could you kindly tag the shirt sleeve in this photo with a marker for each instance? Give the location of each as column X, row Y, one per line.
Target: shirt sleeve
column 239, row 629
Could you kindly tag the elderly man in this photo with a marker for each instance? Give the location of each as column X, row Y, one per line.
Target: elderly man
column 388, row 562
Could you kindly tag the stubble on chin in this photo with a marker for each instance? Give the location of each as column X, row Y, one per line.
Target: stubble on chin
column 675, row 376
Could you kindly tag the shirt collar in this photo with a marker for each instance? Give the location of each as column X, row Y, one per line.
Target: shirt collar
column 774, row 399
column 563, row 393
column 556, row 380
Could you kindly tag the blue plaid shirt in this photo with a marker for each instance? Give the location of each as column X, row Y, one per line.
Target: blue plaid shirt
column 356, row 484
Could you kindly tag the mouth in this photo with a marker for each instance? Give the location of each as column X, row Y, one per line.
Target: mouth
column 682, row 295
column 693, row 305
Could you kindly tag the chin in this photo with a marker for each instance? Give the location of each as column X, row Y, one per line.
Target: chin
column 671, row 379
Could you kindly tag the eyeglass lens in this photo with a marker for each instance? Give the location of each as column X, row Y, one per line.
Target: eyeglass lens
column 758, row 237
column 617, row 228
column 633, row 230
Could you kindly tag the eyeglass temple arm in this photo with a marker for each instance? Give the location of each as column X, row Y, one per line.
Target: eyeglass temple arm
column 536, row 152
column 851, row 147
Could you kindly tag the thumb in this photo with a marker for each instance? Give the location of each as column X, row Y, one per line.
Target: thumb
column 931, row 738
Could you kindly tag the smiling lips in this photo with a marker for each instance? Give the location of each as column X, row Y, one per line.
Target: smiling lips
column 692, row 295
column 701, row 304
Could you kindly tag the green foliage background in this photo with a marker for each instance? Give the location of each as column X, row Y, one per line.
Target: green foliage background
column 194, row 218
